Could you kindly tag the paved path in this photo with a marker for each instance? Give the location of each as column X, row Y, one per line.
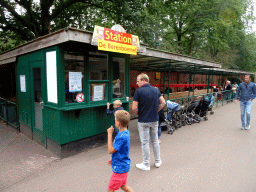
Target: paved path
column 211, row 156
column 20, row 157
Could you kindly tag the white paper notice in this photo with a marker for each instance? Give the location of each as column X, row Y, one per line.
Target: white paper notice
column 75, row 81
column 51, row 74
column 22, row 83
column 98, row 93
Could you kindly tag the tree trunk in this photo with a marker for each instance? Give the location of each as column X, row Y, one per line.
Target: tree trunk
column 45, row 18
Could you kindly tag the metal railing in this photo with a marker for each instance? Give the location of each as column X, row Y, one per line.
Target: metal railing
column 220, row 97
column 8, row 113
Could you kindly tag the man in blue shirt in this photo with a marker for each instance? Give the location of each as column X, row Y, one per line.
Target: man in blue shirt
column 248, row 92
column 147, row 102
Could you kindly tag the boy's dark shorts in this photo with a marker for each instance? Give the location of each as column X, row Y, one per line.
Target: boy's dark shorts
column 117, row 180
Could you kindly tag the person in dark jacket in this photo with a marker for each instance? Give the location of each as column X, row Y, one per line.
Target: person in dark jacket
column 117, row 105
column 228, row 89
column 228, row 85
column 247, row 91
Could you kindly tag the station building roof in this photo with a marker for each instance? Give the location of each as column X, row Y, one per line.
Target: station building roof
column 147, row 59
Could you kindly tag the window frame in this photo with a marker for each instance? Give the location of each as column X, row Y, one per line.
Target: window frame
column 87, row 82
column 83, row 82
column 125, row 79
column 103, row 102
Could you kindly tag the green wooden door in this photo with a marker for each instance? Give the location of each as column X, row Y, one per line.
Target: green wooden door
column 31, row 95
column 37, row 74
column 24, row 95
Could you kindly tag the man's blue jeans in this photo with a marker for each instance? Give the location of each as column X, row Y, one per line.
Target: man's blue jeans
column 147, row 132
column 246, row 106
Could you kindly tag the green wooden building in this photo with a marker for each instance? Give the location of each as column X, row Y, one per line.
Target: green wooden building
column 63, row 86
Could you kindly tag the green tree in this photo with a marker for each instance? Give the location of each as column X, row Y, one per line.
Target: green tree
column 247, row 53
column 184, row 22
column 38, row 19
column 212, row 30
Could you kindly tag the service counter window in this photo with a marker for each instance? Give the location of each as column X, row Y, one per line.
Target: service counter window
column 98, row 76
column 98, row 91
column 92, row 77
column 74, row 76
column 118, row 77
column 98, row 66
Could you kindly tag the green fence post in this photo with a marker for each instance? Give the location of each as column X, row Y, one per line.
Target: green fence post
column 169, row 76
column 194, row 81
column 6, row 111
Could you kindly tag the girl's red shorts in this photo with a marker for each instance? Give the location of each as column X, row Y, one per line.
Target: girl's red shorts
column 117, row 180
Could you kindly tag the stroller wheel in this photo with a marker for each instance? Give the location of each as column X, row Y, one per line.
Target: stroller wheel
column 211, row 112
column 170, row 130
column 197, row 117
column 205, row 118
column 189, row 122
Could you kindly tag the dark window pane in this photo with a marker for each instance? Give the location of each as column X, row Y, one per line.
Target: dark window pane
column 118, row 77
column 74, row 75
column 98, row 66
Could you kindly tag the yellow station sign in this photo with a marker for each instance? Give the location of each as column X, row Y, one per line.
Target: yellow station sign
column 116, row 47
column 115, row 41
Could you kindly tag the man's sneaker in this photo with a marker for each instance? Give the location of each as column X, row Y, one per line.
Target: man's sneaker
column 158, row 164
column 242, row 128
column 143, row 167
column 247, row 127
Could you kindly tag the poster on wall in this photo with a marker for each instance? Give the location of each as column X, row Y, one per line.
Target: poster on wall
column 158, row 75
column 75, row 81
column 98, row 93
column 22, row 83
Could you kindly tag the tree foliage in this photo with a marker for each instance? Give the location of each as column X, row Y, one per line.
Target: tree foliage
column 213, row 30
column 30, row 20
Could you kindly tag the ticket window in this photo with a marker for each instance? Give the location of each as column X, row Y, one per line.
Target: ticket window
column 118, row 77
column 74, row 76
column 98, row 76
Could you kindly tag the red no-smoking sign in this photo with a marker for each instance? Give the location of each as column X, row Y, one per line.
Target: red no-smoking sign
column 80, row 97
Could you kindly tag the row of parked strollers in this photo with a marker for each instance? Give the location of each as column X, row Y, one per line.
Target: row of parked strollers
column 185, row 113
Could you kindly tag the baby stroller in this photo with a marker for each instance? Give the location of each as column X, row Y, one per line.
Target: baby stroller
column 188, row 115
column 193, row 117
column 210, row 98
column 202, row 108
column 172, row 122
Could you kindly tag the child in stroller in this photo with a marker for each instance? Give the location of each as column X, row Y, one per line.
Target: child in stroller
column 172, row 123
column 210, row 98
